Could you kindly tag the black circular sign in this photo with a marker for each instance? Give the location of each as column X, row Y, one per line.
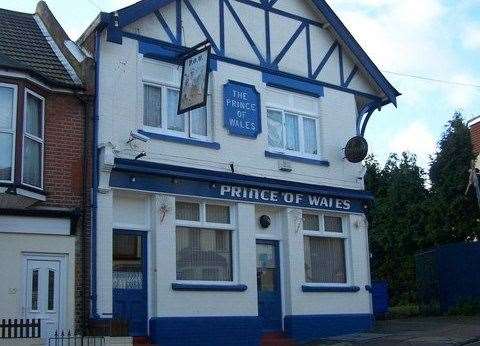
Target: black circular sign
column 265, row 221
column 357, row 149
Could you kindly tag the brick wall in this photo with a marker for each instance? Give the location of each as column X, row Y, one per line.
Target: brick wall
column 64, row 175
column 475, row 132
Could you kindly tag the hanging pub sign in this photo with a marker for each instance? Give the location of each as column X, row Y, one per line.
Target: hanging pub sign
column 356, row 150
column 241, row 109
column 194, row 84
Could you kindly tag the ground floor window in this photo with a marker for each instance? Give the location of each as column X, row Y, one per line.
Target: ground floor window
column 324, row 247
column 204, row 241
column 204, row 254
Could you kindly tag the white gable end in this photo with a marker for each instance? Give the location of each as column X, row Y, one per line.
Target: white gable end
column 295, row 31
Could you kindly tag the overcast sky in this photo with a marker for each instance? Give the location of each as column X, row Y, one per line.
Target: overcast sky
column 438, row 39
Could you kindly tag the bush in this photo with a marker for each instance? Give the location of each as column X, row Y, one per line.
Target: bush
column 467, row 307
column 403, row 311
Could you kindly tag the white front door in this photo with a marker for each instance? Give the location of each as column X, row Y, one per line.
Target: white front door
column 43, row 294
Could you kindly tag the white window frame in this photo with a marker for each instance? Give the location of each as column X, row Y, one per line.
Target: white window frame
column 34, row 138
column 165, row 86
column 203, row 224
column 321, row 233
column 12, row 131
column 300, row 115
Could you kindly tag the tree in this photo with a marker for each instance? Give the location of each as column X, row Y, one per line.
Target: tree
column 453, row 216
column 397, row 221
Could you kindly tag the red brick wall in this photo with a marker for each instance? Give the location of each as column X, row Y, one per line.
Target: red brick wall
column 64, row 177
column 475, row 132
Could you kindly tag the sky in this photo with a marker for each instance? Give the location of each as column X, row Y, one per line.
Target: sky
column 436, row 39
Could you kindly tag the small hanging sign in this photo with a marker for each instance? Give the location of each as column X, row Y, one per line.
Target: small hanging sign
column 194, row 84
column 356, row 150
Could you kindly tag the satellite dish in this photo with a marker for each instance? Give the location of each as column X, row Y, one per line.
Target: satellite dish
column 356, row 149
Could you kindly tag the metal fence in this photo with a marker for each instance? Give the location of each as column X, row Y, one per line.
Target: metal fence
column 75, row 339
column 20, row 328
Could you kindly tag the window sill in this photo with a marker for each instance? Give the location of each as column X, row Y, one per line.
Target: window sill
column 310, row 288
column 24, row 190
column 208, row 288
column 297, row 159
column 181, row 140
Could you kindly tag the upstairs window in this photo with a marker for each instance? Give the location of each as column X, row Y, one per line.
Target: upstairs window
column 33, row 140
column 160, row 105
column 292, row 133
column 8, row 98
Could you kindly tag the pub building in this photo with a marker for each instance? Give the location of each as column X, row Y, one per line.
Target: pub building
column 242, row 221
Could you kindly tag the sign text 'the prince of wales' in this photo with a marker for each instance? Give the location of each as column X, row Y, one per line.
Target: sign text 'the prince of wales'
column 241, row 108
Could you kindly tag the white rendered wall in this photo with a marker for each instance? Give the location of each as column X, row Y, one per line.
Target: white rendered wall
column 165, row 302
column 13, row 247
column 121, row 112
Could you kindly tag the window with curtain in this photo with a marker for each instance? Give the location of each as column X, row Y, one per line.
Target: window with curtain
column 33, row 140
column 324, row 249
column 7, row 131
column 160, row 105
column 203, row 242
column 292, row 133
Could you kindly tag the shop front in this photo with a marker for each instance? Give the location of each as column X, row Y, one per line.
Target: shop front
column 220, row 256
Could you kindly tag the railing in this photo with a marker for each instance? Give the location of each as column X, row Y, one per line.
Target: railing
column 18, row 329
column 75, row 339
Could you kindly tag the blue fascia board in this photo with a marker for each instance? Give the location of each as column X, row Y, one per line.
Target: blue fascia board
column 345, row 289
column 167, row 53
column 132, row 13
column 357, row 50
column 208, row 288
column 297, row 159
column 181, row 140
column 153, row 168
column 291, row 84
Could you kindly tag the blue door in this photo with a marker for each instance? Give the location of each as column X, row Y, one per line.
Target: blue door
column 130, row 299
column 268, row 286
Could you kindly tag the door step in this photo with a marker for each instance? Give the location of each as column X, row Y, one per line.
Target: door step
column 142, row 341
column 276, row 339
column 117, row 341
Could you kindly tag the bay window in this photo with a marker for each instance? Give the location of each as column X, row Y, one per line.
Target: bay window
column 204, row 242
column 292, row 133
column 325, row 243
column 33, row 140
column 8, row 113
column 160, row 103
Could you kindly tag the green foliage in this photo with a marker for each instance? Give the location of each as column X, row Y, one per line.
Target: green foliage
column 407, row 217
column 468, row 307
column 453, row 216
column 403, row 311
column 397, row 221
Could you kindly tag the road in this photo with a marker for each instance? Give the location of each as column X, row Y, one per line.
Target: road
column 431, row 331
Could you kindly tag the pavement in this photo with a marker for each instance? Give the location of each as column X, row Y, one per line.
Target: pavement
column 428, row 331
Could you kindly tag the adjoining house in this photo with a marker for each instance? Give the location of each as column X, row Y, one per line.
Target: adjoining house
column 218, row 226
column 44, row 172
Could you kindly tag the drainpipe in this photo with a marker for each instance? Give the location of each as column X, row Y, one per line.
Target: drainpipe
column 95, row 172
